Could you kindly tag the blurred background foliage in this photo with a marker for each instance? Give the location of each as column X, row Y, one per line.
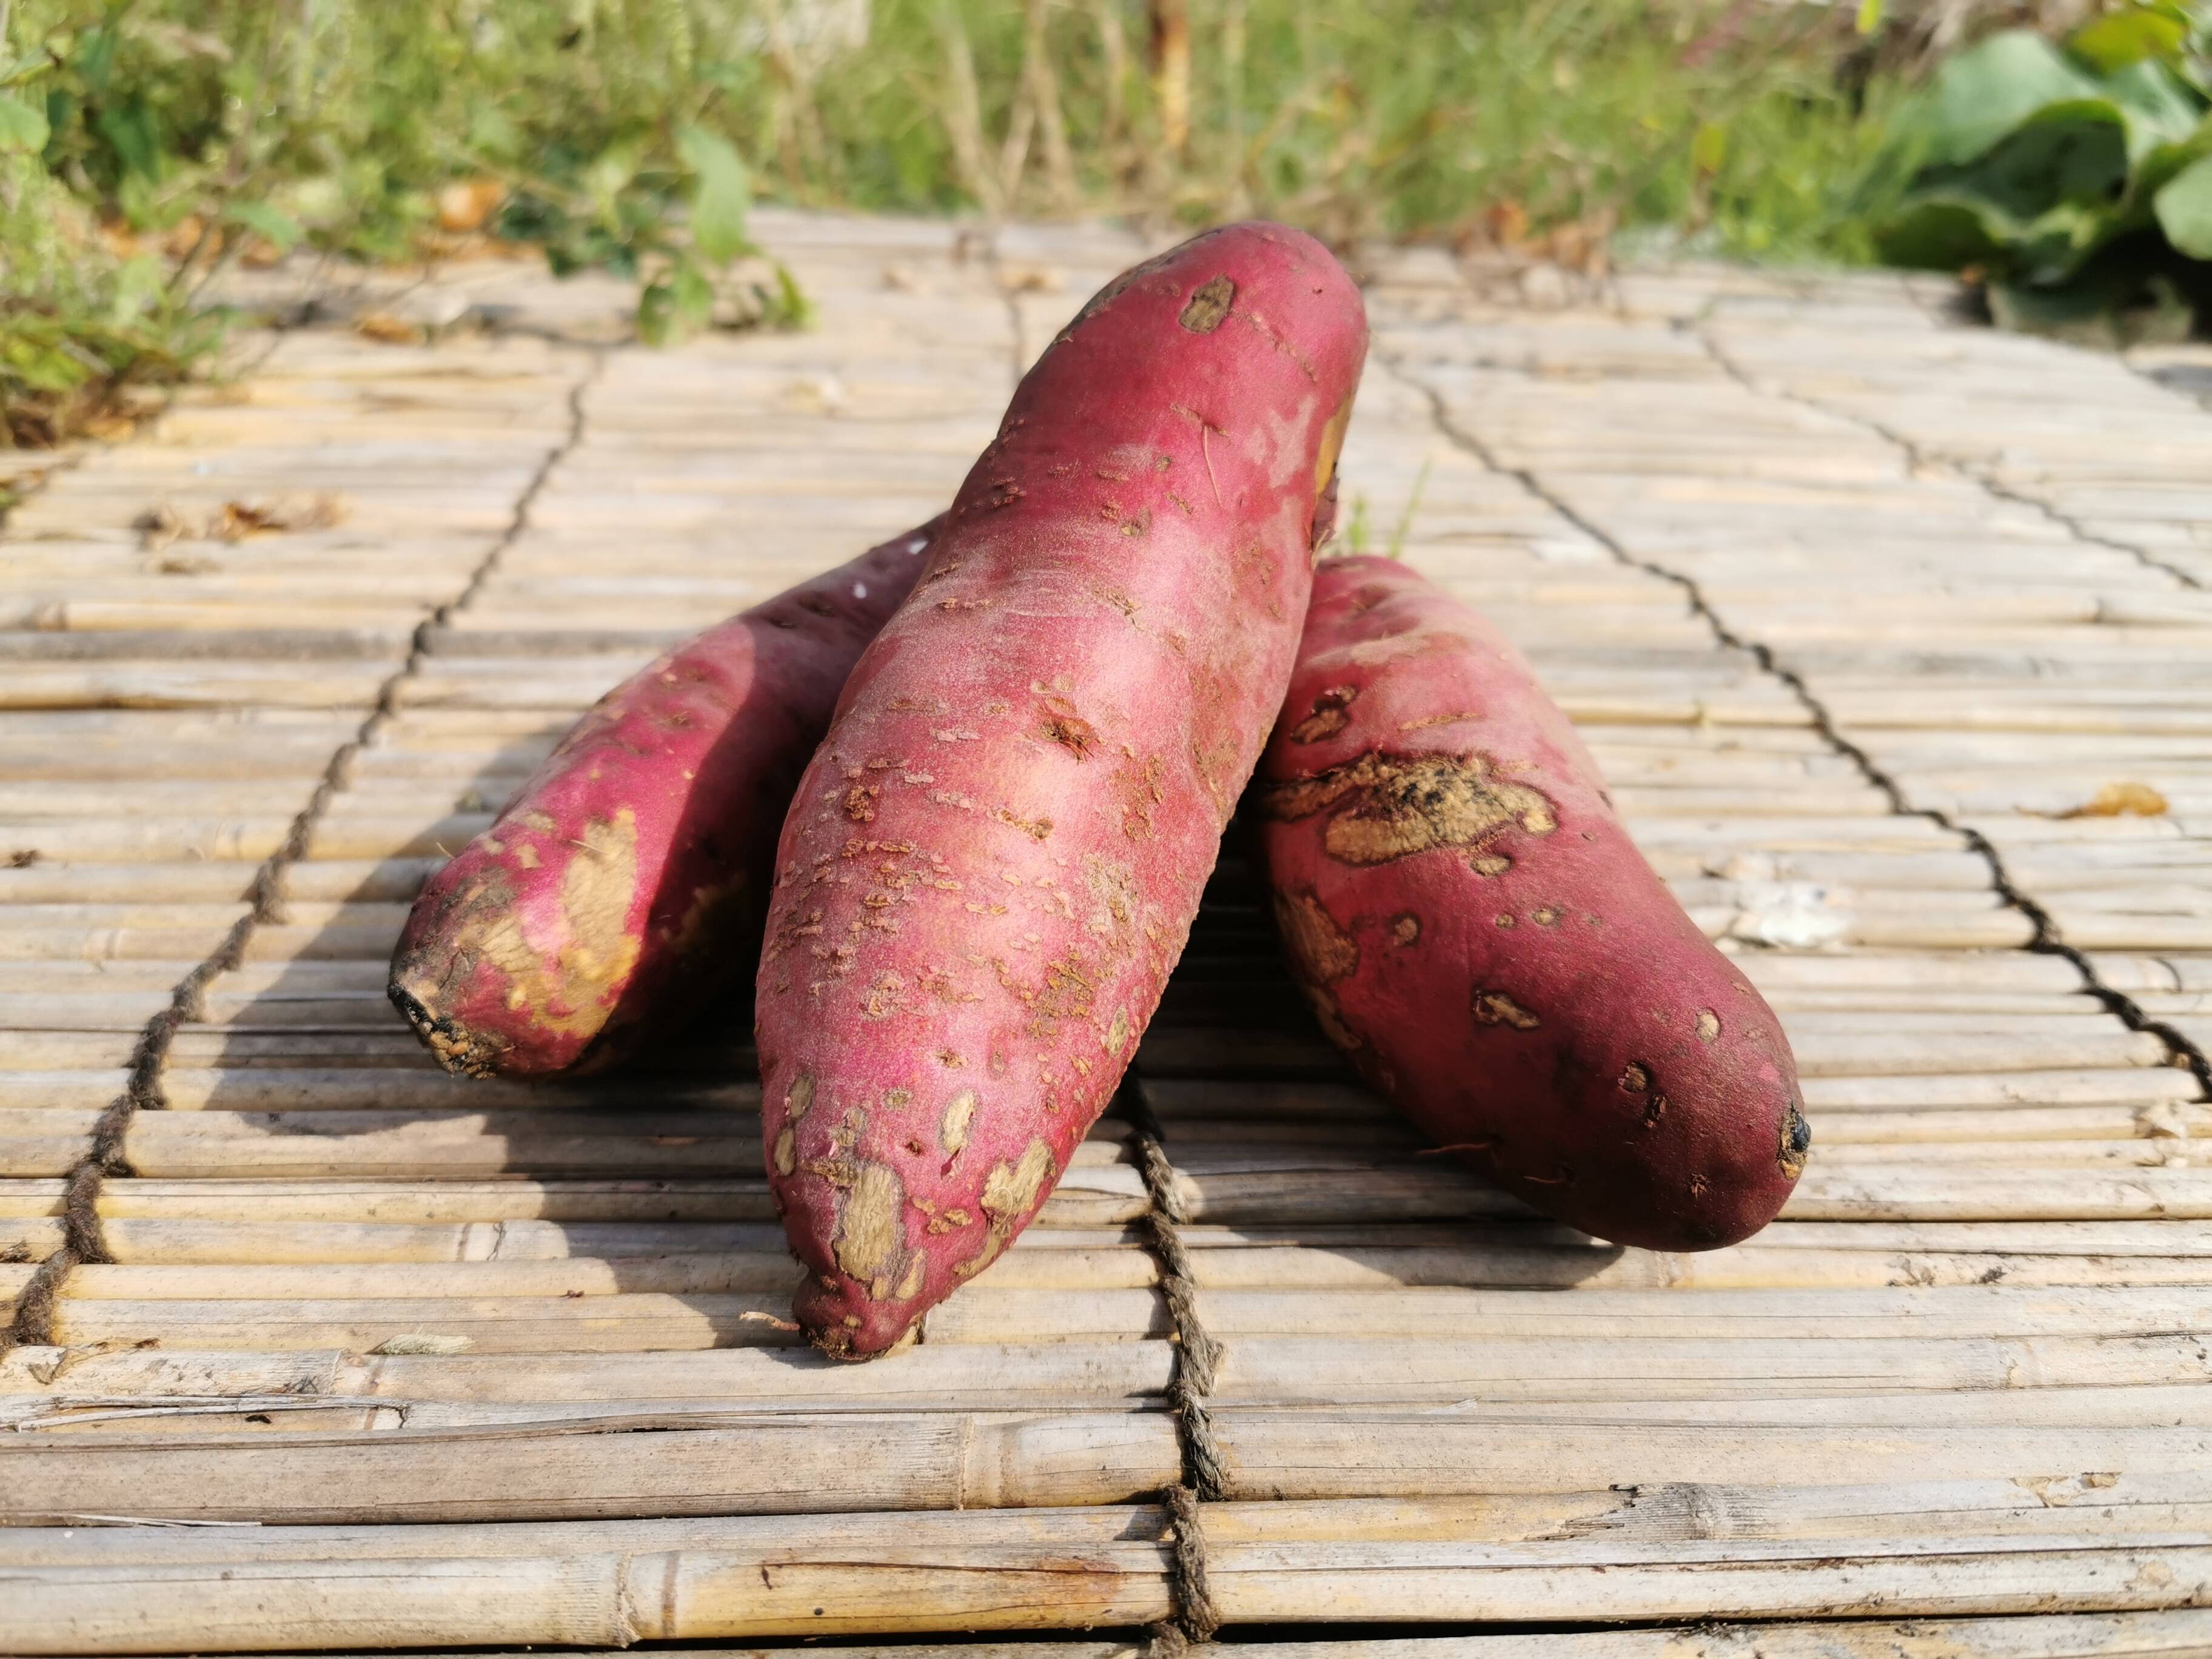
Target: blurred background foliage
column 2073, row 177
column 145, row 144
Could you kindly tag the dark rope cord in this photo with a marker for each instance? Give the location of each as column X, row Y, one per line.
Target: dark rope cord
column 1198, row 1356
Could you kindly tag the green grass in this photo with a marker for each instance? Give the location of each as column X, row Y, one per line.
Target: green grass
column 631, row 133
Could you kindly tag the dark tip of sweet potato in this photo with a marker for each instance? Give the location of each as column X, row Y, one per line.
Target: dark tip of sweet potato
column 461, row 1052
column 1796, row 1142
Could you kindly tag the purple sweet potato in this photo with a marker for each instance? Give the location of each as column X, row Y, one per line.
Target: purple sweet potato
column 1475, row 929
column 622, row 887
column 993, row 863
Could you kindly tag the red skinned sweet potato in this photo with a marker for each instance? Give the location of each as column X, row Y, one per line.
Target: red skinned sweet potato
column 622, row 886
column 993, row 863
column 1475, row 929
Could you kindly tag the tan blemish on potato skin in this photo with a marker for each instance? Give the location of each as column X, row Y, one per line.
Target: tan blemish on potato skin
column 993, row 1242
column 959, row 1117
column 1010, row 1189
column 1117, row 1033
column 1328, row 716
column 1708, row 1026
column 1332, row 444
column 1406, row 927
column 786, row 1156
column 1497, row 1008
column 1388, row 807
column 799, row 1099
column 867, row 1242
column 1324, row 949
column 1061, row 725
column 1208, row 305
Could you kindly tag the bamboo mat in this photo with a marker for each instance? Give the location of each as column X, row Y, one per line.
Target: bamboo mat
column 1892, row 639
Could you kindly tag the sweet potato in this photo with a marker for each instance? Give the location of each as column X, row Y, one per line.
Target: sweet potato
column 1475, row 929
column 622, row 886
column 994, row 861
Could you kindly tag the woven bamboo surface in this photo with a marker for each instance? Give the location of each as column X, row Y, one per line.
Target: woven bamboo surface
column 1872, row 620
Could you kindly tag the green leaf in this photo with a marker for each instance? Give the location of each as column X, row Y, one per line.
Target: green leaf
column 793, row 309
column 2120, row 39
column 721, row 191
column 138, row 284
column 2075, row 152
column 133, row 131
column 264, row 221
column 1982, row 95
column 1869, row 15
column 2183, row 208
column 656, row 305
column 2157, row 108
column 694, row 297
column 1709, row 149
column 1942, row 233
column 22, row 127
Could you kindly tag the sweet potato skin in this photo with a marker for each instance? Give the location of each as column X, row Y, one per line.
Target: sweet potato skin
column 622, row 887
column 994, row 861
column 1474, row 926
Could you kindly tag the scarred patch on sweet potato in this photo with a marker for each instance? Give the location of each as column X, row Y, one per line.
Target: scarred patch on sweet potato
column 1388, row 807
column 1208, row 305
column 1312, row 935
column 868, row 1232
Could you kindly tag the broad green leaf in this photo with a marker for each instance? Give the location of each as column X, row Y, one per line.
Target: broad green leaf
column 2162, row 161
column 2122, row 38
column 2072, row 152
column 22, row 127
column 266, row 222
column 1981, row 95
column 1949, row 230
column 2157, row 108
column 721, row 191
column 1942, row 233
column 2184, row 208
